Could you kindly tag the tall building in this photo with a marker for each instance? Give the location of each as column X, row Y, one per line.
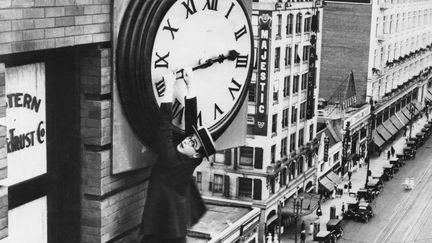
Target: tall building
column 279, row 158
column 387, row 45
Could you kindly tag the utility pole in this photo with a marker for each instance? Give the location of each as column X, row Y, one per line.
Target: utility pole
column 411, row 110
column 369, row 145
column 345, row 147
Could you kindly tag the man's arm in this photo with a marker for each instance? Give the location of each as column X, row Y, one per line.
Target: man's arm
column 190, row 103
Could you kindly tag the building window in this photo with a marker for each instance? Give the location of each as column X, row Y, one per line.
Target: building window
column 306, row 53
column 285, row 118
column 287, row 55
column 246, row 156
column 219, row 156
column 252, row 92
column 302, row 110
column 300, row 163
column 199, row 180
column 301, row 137
column 322, row 167
column 296, row 84
column 284, row 147
column 289, row 26
column 336, row 157
column 298, row 22
column 292, row 142
column 245, row 187
column 274, row 123
column 311, row 132
column 286, row 86
column 304, row 81
column 279, row 26
column 296, row 57
column 217, row 183
column 273, row 154
column 307, row 24
column 277, row 58
column 293, row 114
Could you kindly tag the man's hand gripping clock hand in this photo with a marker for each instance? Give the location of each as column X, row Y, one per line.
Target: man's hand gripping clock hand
column 189, row 80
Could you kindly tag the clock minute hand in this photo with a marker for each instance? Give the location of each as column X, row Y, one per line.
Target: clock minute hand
column 232, row 55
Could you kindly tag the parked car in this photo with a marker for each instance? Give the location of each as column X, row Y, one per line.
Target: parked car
column 365, row 194
column 325, row 236
column 335, row 226
column 365, row 211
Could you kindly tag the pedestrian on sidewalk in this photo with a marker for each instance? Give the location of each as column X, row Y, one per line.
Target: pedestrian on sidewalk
column 349, row 175
column 311, row 228
column 343, row 208
column 392, row 151
column 405, row 131
column 388, row 154
column 302, row 236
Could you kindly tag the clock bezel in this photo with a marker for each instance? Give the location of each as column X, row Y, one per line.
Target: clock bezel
column 133, row 67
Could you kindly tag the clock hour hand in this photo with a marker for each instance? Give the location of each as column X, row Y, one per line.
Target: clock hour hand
column 232, row 55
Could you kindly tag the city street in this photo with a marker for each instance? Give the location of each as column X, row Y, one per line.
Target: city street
column 400, row 215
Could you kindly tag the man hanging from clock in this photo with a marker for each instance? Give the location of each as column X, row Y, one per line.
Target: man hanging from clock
column 173, row 200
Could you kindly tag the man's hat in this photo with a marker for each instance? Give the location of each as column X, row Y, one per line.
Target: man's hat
column 206, row 140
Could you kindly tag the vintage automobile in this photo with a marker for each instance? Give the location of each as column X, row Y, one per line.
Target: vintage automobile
column 388, row 172
column 335, row 227
column 409, row 153
column 375, row 186
column 365, row 211
column 325, row 236
column 365, row 194
column 421, row 138
column 412, row 143
column 351, row 210
column 396, row 162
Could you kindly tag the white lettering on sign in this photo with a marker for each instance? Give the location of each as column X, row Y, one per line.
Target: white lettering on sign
column 26, row 122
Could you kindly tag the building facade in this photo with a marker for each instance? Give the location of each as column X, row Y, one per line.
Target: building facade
column 279, row 158
column 387, row 44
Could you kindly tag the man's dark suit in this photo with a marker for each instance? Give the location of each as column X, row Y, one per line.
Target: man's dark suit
column 173, row 201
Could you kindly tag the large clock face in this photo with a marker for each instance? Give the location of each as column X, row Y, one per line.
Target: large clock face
column 161, row 36
column 194, row 30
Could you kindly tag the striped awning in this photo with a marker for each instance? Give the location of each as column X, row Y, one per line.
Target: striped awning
column 377, row 139
column 390, row 127
column 395, row 121
column 402, row 118
column 383, row 132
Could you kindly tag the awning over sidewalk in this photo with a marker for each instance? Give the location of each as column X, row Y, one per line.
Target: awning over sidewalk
column 334, row 178
column 407, row 113
column 326, row 184
column 395, row 121
column 309, row 204
column 419, row 107
column 377, row 138
column 402, row 118
column 383, row 132
column 390, row 127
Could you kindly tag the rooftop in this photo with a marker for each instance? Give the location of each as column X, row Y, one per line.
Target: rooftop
column 217, row 219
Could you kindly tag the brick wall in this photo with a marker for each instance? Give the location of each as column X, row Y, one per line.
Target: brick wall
column 28, row 25
column 111, row 204
column 345, row 47
column 3, row 157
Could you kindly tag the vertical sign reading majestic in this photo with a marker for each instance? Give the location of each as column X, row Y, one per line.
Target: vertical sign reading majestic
column 264, row 34
column 25, row 121
column 326, row 148
column 310, row 101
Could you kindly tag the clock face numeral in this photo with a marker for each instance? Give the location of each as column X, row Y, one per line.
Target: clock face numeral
column 160, row 87
column 234, row 89
column 211, row 5
column 240, row 32
column 161, row 62
column 177, row 111
column 242, row 61
column 190, row 7
column 217, row 109
column 229, row 10
column 171, row 29
column 199, row 119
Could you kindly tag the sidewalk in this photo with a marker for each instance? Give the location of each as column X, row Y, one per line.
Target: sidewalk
column 358, row 179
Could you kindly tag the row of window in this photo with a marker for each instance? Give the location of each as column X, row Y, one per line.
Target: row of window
column 399, row 22
column 289, row 55
column 330, row 161
column 401, row 1
column 384, row 115
column 398, row 76
column 290, row 23
column 392, row 51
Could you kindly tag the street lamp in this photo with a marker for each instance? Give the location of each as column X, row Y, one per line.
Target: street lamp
column 345, row 145
column 298, row 204
column 369, row 144
column 411, row 110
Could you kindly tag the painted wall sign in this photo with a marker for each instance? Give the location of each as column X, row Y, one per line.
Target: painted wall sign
column 264, row 31
column 326, row 149
column 310, row 100
column 26, row 122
